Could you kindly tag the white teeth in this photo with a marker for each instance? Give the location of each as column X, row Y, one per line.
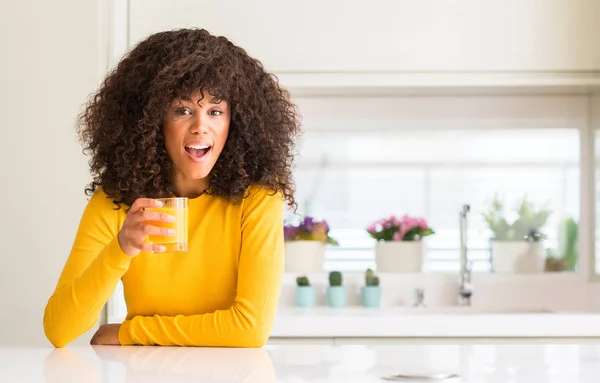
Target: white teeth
column 197, row 146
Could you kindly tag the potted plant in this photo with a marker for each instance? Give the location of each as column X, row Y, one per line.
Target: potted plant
column 370, row 294
column 305, row 293
column 564, row 258
column 399, row 247
column 517, row 246
column 305, row 245
column 336, row 291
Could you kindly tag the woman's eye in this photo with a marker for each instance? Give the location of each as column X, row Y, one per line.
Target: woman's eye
column 215, row 112
column 183, row 111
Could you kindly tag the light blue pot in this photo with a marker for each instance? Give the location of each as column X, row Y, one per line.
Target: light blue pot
column 306, row 296
column 336, row 296
column 370, row 296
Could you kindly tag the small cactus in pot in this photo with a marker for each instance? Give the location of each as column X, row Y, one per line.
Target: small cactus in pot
column 336, row 292
column 371, row 293
column 305, row 293
column 335, row 278
column 370, row 278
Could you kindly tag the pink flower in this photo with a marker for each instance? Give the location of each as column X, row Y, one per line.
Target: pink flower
column 408, row 223
column 400, row 234
column 387, row 223
column 412, row 222
column 393, row 228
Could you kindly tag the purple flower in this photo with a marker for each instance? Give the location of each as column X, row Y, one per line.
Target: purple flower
column 309, row 229
column 289, row 232
column 307, row 224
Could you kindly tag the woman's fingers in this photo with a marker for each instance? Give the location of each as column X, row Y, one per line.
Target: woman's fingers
column 154, row 230
column 137, row 227
column 153, row 248
column 153, row 216
column 142, row 203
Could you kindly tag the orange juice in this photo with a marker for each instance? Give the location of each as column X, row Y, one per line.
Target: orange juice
column 179, row 210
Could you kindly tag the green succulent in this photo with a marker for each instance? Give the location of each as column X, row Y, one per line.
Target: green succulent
column 371, row 279
column 302, row 281
column 569, row 242
column 565, row 256
column 335, row 278
column 527, row 226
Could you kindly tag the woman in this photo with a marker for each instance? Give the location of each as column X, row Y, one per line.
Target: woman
column 184, row 114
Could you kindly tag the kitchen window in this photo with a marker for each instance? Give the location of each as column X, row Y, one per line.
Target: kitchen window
column 354, row 175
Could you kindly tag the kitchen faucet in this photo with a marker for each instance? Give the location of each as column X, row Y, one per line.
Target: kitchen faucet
column 466, row 287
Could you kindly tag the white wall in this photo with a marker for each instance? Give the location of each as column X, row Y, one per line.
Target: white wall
column 392, row 35
column 50, row 63
column 443, row 112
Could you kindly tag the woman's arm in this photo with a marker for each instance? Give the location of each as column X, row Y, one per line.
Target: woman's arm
column 248, row 322
column 94, row 267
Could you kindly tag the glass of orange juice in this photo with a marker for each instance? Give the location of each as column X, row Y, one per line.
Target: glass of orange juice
column 178, row 208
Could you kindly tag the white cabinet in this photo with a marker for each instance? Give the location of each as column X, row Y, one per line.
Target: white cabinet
column 382, row 36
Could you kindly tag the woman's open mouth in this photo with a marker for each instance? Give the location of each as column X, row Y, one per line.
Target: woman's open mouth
column 197, row 153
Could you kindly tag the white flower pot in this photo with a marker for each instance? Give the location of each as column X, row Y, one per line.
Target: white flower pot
column 399, row 256
column 304, row 256
column 519, row 257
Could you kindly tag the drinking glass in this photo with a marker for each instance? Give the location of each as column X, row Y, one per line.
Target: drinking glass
column 178, row 208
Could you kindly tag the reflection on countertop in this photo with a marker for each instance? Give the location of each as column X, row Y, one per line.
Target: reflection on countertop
column 160, row 364
column 475, row 363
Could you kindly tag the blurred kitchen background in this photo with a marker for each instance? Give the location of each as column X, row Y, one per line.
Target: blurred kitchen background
column 409, row 108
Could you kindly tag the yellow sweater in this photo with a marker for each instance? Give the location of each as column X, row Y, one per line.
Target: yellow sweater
column 223, row 291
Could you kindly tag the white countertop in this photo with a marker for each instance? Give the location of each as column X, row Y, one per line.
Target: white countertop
column 296, row 364
column 296, row 322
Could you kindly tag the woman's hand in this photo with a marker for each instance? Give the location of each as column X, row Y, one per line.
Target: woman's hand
column 135, row 228
column 107, row 334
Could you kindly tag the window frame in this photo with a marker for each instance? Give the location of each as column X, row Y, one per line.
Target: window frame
column 579, row 114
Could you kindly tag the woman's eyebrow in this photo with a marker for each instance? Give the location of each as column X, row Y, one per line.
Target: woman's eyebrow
column 213, row 100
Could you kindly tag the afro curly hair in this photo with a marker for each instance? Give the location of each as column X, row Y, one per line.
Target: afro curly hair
column 121, row 124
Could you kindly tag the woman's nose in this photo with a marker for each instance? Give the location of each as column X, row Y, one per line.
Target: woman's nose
column 198, row 127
